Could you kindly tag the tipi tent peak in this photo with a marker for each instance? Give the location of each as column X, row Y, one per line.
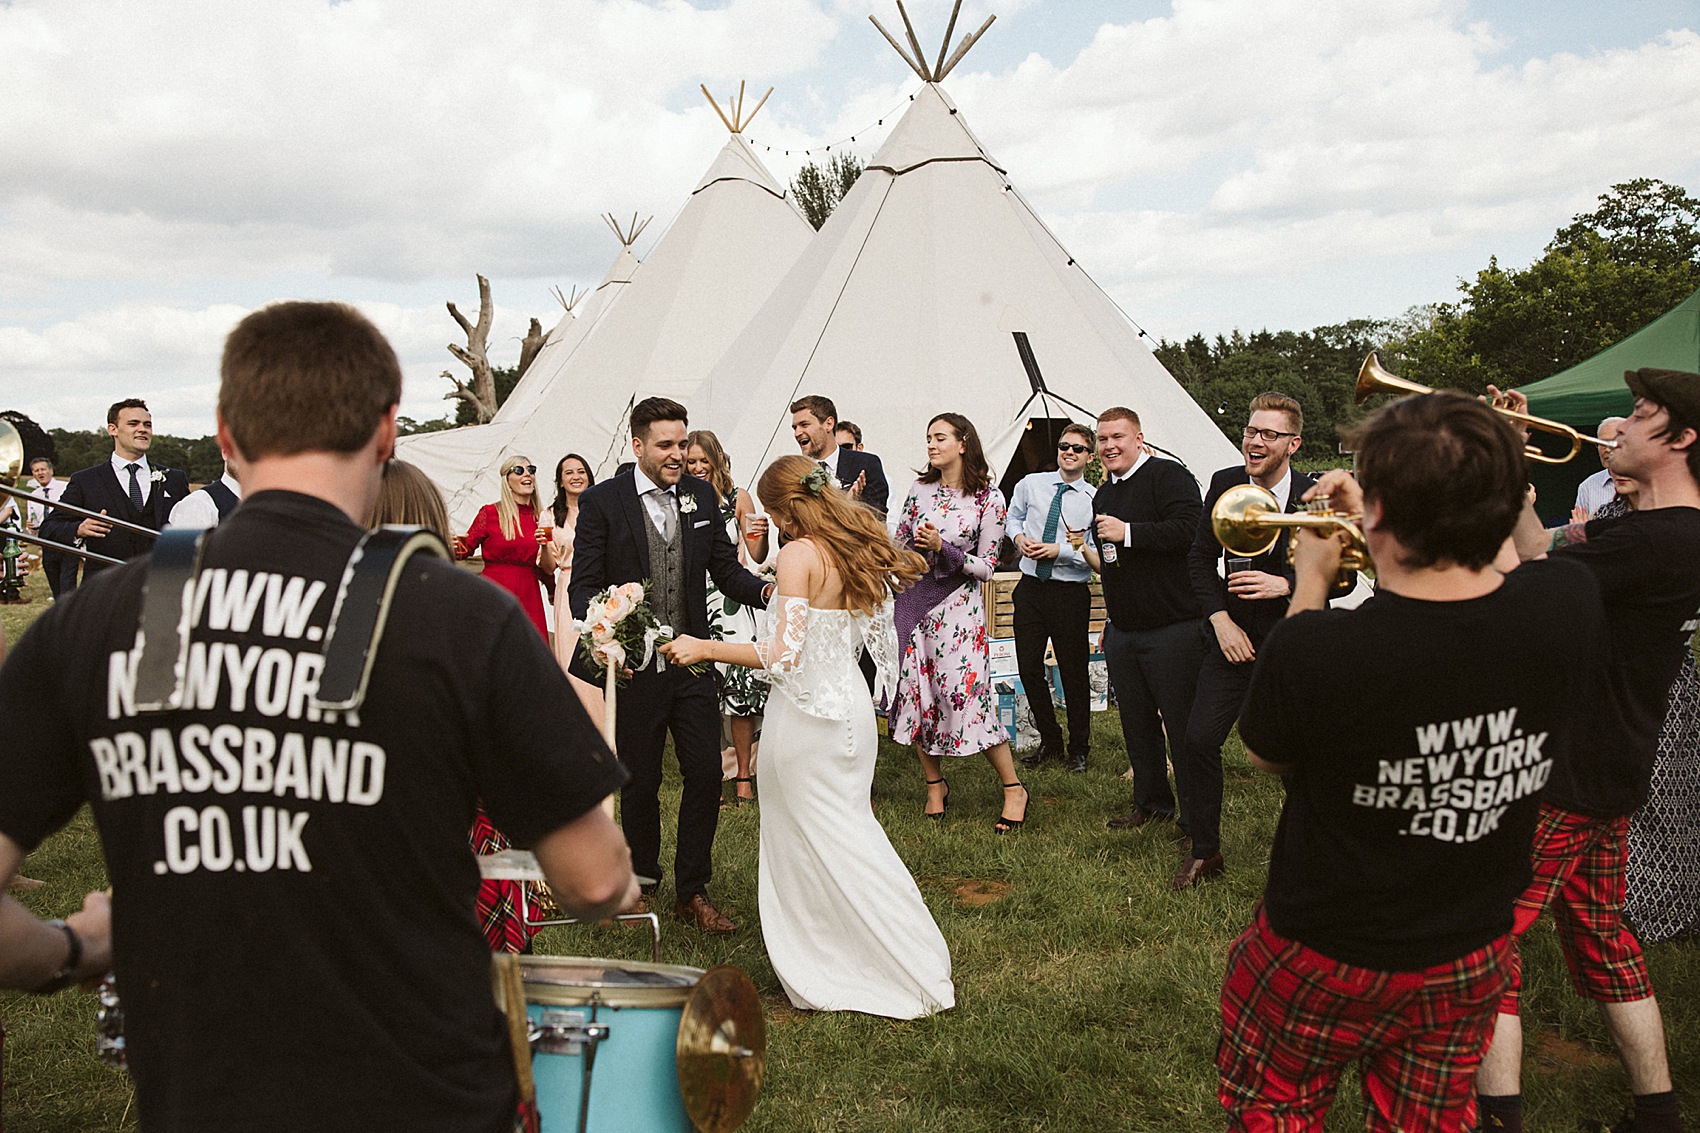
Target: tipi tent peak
column 628, row 233
column 918, row 62
column 737, row 120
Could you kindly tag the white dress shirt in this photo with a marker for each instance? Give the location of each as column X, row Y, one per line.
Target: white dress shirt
column 1595, row 492
column 50, row 492
column 653, row 505
column 198, row 509
column 121, row 467
column 1030, row 506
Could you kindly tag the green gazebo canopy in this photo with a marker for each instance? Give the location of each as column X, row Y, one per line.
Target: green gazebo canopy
column 1591, row 390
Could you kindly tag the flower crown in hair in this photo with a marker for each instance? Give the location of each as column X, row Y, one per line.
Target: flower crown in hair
column 815, row 481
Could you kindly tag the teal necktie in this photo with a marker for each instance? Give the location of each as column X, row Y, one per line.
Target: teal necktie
column 1042, row 569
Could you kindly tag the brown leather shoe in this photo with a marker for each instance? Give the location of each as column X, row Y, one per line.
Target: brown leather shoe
column 697, row 911
column 1133, row 819
column 1197, row 870
column 645, row 902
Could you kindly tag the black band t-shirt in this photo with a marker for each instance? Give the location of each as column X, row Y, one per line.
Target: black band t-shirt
column 293, row 888
column 1420, row 735
column 1647, row 564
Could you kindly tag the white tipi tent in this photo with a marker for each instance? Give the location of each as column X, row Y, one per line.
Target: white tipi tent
column 656, row 333
column 934, row 287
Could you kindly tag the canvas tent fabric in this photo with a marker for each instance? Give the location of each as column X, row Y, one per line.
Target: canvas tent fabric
column 908, row 303
column 650, row 330
column 1593, row 390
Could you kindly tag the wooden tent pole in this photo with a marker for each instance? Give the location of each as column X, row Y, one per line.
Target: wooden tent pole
column 963, row 50
column 909, row 30
column 756, row 111
column 738, row 114
column 949, row 30
column 913, row 66
column 716, row 106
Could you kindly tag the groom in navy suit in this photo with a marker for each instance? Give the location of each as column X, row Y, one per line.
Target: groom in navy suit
column 658, row 526
column 125, row 487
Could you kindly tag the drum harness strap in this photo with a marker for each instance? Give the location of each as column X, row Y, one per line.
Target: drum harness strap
column 351, row 639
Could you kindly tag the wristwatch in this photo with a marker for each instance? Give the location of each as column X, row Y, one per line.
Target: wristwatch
column 73, row 960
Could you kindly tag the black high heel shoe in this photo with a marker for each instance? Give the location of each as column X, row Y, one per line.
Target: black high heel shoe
column 1005, row 825
column 925, row 813
column 740, row 801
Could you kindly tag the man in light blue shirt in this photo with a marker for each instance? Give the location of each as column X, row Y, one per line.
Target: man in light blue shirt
column 1049, row 513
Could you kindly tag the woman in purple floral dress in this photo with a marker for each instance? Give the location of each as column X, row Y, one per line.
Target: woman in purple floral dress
column 944, row 705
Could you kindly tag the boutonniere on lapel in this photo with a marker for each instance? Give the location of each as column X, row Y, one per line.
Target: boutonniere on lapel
column 158, row 477
column 687, row 503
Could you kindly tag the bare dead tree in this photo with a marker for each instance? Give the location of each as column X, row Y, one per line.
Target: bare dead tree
column 530, row 345
column 481, row 394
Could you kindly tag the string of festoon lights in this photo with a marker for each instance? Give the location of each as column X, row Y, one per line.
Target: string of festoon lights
column 827, row 147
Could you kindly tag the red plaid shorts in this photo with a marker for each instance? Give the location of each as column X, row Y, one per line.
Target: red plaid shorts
column 1292, row 1019
column 1579, row 863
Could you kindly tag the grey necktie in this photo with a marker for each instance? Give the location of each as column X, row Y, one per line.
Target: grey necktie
column 669, row 512
column 135, row 485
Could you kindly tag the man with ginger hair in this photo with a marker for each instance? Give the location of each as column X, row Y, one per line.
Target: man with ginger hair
column 291, row 921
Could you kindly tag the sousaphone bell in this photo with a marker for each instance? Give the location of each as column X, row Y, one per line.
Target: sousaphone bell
column 1247, row 520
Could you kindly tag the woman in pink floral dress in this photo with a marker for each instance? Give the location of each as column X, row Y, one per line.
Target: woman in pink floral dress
column 944, row 705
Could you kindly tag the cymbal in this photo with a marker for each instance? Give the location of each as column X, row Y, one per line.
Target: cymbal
column 722, row 1050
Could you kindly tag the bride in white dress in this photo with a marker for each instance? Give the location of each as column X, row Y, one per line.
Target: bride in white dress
column 845, row 925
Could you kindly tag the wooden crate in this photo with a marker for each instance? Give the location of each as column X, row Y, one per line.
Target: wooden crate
column 999, row 597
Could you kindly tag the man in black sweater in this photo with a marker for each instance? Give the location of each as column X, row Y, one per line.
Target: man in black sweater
column 1144, row 518
column 1242, row 602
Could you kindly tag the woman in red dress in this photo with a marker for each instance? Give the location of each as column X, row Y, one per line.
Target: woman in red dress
column 507, row 532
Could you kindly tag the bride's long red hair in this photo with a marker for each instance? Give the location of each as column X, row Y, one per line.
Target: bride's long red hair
column 871, row 567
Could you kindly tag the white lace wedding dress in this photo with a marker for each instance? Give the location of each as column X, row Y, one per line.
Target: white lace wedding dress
column 845, row 926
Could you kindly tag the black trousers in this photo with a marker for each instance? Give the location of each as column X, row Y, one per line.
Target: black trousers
column 1222, row 688
column 688, row 706
column 1155, row 673
column 1060, row 612
column 61, row 571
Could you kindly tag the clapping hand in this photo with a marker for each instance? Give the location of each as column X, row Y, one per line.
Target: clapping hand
column 855, row 492
column 927, row 537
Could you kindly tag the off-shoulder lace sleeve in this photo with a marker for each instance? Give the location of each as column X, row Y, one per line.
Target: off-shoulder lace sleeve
column 781, row 650
column 879, row 637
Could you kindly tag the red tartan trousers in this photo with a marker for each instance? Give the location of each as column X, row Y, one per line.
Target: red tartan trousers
column 1293, row 1019
column 498, row 902
column 1579, row 863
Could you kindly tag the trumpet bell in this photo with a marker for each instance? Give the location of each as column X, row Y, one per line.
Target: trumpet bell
column 1236, row 520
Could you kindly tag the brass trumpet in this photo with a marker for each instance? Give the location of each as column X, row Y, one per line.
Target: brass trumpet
column 12, row 466
column 1372, row 379
column 1247, row 520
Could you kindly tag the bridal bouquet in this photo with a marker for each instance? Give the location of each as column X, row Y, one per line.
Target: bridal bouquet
column 620, row 630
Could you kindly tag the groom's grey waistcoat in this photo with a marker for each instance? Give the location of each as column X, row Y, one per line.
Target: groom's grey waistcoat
column 667, row 573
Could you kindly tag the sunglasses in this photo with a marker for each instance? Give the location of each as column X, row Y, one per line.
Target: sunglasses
column 1270, row 435
column 531, row 468
column 1065, row 446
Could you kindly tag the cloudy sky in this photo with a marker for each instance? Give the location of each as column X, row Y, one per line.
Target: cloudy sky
column 1213, row 163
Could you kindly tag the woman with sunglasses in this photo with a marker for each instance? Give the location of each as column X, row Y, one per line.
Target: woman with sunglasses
column 512, row 541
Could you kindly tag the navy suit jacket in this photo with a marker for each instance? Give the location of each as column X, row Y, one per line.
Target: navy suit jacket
column 876, row 493
column 611, row 546
column 98, row 489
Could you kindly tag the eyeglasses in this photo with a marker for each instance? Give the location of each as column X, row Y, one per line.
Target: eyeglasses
column 1270, row 435
column 1064, row 446
column 531, row 468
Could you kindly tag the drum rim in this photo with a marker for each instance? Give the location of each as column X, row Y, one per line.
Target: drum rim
column 549, row 994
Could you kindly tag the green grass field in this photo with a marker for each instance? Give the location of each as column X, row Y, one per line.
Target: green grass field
column 1087, row 992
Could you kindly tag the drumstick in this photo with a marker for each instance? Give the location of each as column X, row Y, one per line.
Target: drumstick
column 519, row 1037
